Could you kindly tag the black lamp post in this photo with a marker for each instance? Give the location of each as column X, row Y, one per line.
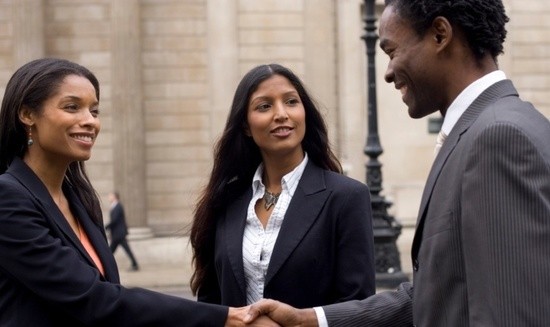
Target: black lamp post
column 386, row 228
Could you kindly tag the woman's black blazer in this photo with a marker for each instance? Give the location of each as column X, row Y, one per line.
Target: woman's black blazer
column 48, row 279
column 324, row 252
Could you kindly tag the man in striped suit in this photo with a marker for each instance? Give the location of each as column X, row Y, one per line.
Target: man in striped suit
column 481, row 251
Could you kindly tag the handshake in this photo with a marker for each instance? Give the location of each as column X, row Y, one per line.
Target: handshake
column 270, row 313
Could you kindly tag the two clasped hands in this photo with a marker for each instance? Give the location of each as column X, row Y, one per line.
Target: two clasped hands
column 269, row 313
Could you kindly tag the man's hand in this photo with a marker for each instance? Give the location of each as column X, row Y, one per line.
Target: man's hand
column 282, row 313
column 235, row 318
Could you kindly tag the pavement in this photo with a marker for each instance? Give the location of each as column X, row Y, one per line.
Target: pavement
column 166, row 278
column 165, row 263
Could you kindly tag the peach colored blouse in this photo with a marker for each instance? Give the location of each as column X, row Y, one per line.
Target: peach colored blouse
column 90, row 249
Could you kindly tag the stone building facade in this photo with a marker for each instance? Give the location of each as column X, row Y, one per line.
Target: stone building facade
column 168, row 70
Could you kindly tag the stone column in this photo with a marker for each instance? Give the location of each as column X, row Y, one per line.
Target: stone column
column 320, row 61
column 127, row 111
column 223, row 61
column 351, row 87
column 28, row 25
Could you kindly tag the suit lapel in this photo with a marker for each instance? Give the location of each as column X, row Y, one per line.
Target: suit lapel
column 493, row 93
column 304, row 208
column 307, row 201
column 37, row 189
column 233, row 229
column 96, row 236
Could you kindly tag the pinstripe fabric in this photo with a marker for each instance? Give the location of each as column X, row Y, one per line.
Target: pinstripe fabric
column 383, row 309
column 481, row 251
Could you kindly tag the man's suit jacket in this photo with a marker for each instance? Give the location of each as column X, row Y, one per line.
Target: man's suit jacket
column 324, row 252
column 481, row 252
column 48, row 279
column 117, row 223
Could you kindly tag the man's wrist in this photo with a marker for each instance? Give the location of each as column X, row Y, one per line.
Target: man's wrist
column 308, row 318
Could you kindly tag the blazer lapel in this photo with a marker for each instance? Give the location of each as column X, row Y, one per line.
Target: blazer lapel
column 493, row 93
column 31, row 182
column 307, row 201
column 233, row 230
column 96, row 236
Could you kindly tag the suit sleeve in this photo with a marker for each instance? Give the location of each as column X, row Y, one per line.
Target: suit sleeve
column 389, row 308
column 506, row 227
column 34, row 261
column 355, row 267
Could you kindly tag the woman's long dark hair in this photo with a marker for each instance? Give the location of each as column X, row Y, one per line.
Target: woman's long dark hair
column 30, row 86
column 236, row 158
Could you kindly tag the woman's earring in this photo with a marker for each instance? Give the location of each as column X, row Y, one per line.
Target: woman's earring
column 30, row 141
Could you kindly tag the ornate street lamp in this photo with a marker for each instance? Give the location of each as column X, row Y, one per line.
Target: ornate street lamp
column 386, row 228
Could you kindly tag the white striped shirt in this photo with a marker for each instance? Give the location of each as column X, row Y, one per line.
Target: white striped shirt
column 258, row 242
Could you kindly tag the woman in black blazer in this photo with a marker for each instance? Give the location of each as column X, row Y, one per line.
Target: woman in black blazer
column 278, row 219
column 56, row 268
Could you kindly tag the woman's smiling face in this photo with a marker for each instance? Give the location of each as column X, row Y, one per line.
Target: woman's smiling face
column 276, row 118
column 68, row 124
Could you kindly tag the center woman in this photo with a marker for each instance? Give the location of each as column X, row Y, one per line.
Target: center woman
column 278, row 219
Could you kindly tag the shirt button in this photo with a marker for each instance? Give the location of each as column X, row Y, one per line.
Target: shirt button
column 415, row 264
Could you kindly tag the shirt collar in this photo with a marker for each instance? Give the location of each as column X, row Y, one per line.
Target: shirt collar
column 467, row 96
column 287, row 181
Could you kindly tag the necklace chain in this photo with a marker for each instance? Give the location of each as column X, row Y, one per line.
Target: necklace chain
column 270, row 199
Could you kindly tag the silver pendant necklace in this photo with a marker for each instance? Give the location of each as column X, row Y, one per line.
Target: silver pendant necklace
column 270, row 199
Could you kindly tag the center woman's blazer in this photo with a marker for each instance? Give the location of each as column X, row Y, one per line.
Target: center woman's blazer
column 48, row 279
column 324, row 252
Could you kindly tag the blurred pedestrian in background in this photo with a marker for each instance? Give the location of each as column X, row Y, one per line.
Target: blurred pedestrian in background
column 119, row 229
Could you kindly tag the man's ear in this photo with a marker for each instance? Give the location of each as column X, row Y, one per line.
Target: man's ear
column 442, row 31
column 26, row 116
